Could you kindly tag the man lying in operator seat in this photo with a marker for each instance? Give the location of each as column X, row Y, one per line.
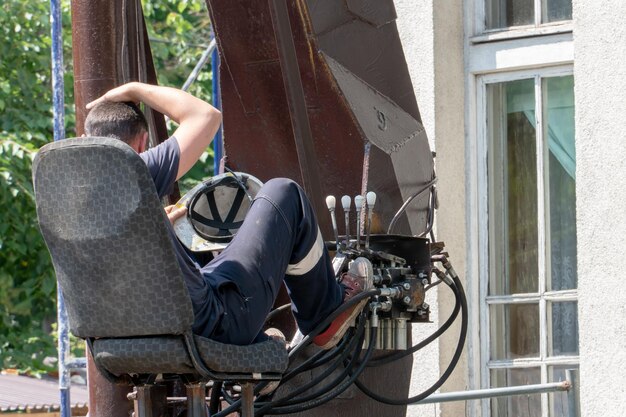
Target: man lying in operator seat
column 279, row 240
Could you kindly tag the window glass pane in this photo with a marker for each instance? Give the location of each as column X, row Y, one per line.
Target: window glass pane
column 555, row 10
column 564, row 328
column 519, row 405
column 514, row 331
column 558, row 110
column 558, row 400
column 513, row 241
column 505, row 13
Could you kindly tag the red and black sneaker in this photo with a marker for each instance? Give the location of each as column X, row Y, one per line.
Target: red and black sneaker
column 359, row 278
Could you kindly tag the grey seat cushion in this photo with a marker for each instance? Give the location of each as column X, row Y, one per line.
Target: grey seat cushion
column 169, row 355
column 106, row 230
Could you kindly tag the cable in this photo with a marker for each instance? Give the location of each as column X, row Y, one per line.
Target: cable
column 458, row 288
column 383, row 360
column 395, row 218
column 320, row 358
column 355, row 345
column 216, row 391
column 326, row 322
column 434, row 284
column 430, row 222
column 337, row 391
column 276, row 311
column 308, row 339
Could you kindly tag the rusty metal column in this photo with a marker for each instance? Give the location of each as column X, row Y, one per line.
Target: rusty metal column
column 297, row 103
column 97, row 68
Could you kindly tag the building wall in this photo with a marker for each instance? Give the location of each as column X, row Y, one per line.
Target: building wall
column 415, row 26
column 432, row 38
column 600, row 91
column 432, row 35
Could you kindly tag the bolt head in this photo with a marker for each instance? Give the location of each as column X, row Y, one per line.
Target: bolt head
column 425, row 306
column 407, row 300
column 424, row 282
column 406, row 286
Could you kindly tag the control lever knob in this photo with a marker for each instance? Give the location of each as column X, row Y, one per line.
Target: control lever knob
column 331, row 202
column 346, row 202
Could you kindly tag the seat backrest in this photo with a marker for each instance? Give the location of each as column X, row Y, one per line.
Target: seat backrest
column 106, row 232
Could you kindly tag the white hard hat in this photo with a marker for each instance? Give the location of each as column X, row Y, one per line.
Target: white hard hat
column 216, row 209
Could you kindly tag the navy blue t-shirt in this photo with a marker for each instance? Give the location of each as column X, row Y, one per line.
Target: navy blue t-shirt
column 162, row 162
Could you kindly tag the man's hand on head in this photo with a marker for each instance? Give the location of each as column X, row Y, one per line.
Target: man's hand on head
column 174, row 213
column 197, row 120
column 126, row 92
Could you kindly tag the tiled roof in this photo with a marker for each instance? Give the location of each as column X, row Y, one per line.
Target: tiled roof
column 26, row 393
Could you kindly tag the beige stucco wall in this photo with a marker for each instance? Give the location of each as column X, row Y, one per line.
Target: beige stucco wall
column 432, row 38
column 600, row 90
column 415, row 26
column 433, row 42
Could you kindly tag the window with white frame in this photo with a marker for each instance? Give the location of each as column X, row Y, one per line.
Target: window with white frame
column 528, row 290
column 509, row 13
column 519, row 65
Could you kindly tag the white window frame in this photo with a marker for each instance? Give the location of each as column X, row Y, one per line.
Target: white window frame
column 541, row 297
column 497, row 56
column 481, row 34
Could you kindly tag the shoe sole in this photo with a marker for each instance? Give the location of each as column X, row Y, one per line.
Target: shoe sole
column 345, row 326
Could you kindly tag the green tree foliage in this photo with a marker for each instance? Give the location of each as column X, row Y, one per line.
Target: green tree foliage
column 27, row 284
column 180, row 31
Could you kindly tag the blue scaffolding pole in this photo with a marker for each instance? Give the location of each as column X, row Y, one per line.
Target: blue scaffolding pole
column 212, row 52
column 218, row 144
column 58, row 91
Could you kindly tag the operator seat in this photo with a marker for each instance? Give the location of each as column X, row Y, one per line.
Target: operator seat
column 116, row 267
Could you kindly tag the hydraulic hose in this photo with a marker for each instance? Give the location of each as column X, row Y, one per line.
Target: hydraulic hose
column 355, row 345
column 337, row 391
column 392, row 357
column 276, row 311
column 326, row 322
column 322, row 357
column 341, row 350
column 458, row 288
column 307, row 340
column 214, row 403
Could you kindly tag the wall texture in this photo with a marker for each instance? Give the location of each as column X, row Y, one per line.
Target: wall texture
column 415, row 26
column 600, row 90
column 432, row 38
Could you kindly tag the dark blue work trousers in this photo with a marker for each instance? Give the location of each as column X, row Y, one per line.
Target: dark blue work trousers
column 278, row 242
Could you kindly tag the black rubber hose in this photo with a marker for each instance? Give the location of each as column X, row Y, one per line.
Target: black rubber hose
column 337, row 391
column 276, row 311
column 320, row 358
column 216, row 392
column 312, row 383
column 236, row 405
column 356, row 346
column 326, row 322
column 392, row 357
column 458, row 288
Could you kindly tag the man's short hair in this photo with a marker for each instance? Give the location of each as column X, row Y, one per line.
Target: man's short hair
column 124, row 121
